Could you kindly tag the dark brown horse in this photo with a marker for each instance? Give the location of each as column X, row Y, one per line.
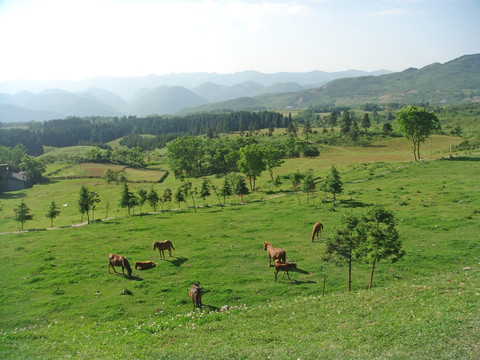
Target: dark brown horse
column 274, row 253
column 163, row 245
column 195, row 293
column 118, row 260
column 317, row 229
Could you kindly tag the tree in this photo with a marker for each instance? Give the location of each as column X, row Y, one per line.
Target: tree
column 167, row 196
column 307, row 129
column 273, row 158
column 366, row 123
column 22, row 214
column 239, row 186
column 277, row 181
column 180, row 196
column 333, row 184
column 33, row 168
column 381, row 238
column 342, row 245
column 142, row 198
column 308, row 184
column 94, row 199
column 354, row 131
column 296, row 179
column 205, row 190
column 387, row 128
column 152, row 198
column 416, row 124
column 84, row 202
column 53, row 212
column 346, row 122
column 251, row 163
column 333, row 119
column 127, row 198
column 226, row 189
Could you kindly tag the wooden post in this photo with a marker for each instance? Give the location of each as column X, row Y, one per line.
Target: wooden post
column 323, row 289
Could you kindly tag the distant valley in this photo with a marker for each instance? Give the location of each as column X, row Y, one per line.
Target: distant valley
column 454, row 81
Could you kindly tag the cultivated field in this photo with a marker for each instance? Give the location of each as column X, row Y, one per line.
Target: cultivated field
column 58, row 301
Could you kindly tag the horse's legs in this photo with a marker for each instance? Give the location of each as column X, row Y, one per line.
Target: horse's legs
column 276, row 272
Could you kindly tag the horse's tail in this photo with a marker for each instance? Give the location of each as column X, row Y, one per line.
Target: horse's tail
column 284, row 256
column 171, row 244
column 154, row 245
column 127, row 266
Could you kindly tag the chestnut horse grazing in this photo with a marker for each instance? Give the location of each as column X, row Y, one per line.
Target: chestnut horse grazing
column 143, row 265
column 285, row 267
column 196, row 294
column 118, row 260
column 317, row 229
column 274, row 253
column 163, row 245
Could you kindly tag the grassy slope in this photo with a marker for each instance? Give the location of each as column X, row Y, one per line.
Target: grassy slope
column 424, row 306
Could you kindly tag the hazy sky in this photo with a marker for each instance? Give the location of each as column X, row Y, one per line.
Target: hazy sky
column 78, row 39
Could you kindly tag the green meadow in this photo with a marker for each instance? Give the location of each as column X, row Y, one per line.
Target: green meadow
column 59, row 301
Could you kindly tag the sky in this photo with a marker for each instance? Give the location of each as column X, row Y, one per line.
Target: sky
column 80, row 39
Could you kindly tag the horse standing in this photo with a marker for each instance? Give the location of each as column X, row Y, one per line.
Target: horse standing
column 274, row 253
column 317, row 229
column 162, row 246
column 195, row 293
column 118, row 260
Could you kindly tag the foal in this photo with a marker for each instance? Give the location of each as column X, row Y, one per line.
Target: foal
column 196, row 294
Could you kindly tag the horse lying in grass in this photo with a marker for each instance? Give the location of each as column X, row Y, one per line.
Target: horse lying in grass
column 118, row 260
column 144, row 265
column 317, row 229
column 285, row 267
column 162, row 246
column 195, row 293
column 274, row 253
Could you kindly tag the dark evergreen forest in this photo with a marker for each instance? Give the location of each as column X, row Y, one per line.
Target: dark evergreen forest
column 100, row 130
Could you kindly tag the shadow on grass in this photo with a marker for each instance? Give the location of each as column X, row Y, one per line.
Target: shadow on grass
column 178, row 261
column 134, row 278
column 11, row 196
column 462, row 158
column 354, row 204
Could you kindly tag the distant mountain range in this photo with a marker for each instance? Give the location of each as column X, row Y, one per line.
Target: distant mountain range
column 457, row 80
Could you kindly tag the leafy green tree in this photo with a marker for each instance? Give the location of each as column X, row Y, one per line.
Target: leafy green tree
column 22, row 214
column 387, row 128
column 296, row 179
column 381, row 238
column 251, row 163
column 343, row 244
column 53, row 212
column 416, row 124
column 332, row 119
column 366, row 123
column 33, row 168
column 185, row 155
column 272, row 158
column 333, row 184
column 142, row 198
column 152, row 198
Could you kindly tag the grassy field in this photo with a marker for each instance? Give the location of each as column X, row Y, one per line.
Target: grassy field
column 58, row 301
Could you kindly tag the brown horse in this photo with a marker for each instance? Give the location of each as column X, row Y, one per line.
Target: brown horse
column 118, row 260
column 274, row 253
column 144, row 265
column 195, row 293
column 163, row 245
column 317, row 229
column 286, row 267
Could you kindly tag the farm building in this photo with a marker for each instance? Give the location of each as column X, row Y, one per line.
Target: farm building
column 11, row 181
